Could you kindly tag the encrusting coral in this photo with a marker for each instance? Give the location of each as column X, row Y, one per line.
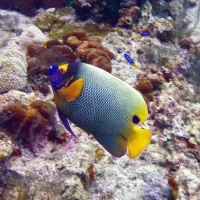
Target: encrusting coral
column 129, row 17
column 31, row 35
column 40, row 58
column 13, row 72
column 33, row 124
column 89, row 49
column 146, row 88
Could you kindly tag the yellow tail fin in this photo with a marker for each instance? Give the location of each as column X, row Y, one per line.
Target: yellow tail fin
column 138, row 141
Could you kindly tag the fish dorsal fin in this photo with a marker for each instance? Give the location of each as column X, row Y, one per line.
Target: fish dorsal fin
column 65, row 122
column 73, row 91
column 138, row 141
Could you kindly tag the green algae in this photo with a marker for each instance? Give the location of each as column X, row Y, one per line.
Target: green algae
column 63, row 11
column 52, row 19
column 97, row 29
column 58, row 32
column 54, row 24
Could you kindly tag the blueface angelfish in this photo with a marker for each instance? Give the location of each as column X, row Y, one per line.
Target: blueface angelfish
column 102, row 105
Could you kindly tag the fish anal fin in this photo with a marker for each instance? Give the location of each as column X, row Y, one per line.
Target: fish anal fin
column 73, row 91
column 138, row 141
column 116, row 146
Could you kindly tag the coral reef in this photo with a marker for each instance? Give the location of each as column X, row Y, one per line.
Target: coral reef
column 163, row 29
column 89, row 49
column 31, row 35
column 159, row 184
column 30, row 125
column 29, row 8
column 40, row 160
column 99, row 11
column 12, row 24
column 56, row 22
column 40, row 58
column 129, row 17
column 97, row 29
column 13, row 72
column 60, row 22
column 146, row 88
column 108, row 12
column 95, row 54
column 85, row 46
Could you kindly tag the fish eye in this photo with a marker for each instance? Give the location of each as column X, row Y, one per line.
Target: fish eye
column 136, row 119
column 62, row 71
column 63, row 68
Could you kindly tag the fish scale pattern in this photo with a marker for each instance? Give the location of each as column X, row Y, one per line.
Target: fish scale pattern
column 106, row 104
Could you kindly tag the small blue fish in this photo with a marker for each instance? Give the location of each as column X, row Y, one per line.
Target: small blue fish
column 145, row 33
column 130, row 60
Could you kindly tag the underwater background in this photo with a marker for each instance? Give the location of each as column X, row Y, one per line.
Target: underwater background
column 39, row 159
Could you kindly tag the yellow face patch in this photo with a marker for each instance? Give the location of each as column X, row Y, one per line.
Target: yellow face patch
column 139, row 115
column 63, row 68
column 73, row 91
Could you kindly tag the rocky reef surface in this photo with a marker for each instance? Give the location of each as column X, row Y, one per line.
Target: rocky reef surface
column 40, row 160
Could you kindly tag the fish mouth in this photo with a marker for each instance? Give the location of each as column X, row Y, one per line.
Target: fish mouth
column 53, row 69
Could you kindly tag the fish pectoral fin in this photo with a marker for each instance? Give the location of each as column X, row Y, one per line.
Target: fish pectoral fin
column 138, row 141
column 116, row 146
column 65, row 122
column 73, row 91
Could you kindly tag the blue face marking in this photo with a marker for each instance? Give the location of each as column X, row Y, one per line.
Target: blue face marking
column 136, row 119
column 58, row 79
column 55, row 77
column 129, row 59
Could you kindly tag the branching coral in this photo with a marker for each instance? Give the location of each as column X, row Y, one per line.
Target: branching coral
column 12, row 70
